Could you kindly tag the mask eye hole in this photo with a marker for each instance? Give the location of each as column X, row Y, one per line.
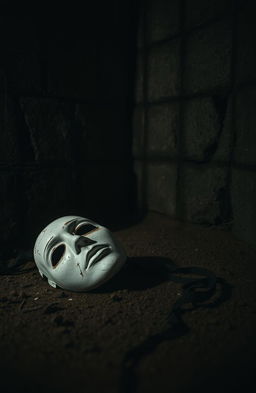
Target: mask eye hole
column 57, row 254
column 83, row 229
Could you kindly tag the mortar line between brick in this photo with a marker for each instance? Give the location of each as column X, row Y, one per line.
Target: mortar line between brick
column 188, row 96
column 186, row 31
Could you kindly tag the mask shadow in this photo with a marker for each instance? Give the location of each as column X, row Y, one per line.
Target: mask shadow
column 139, row 273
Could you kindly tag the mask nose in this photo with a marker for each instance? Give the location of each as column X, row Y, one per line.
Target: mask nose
column 83, row 241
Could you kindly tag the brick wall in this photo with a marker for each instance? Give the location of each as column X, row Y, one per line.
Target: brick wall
column 65, row 99
column 194, row 121
column 68, row 83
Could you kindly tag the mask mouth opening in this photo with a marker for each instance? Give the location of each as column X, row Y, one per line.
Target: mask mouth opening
column 57, row 254
column 96, row 254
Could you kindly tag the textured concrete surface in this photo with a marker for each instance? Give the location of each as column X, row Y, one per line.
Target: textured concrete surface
column 163, row 19
column 199, row 12
column 66, row 86
column 208, row 58
column 59, row 341
column 243, row 204
column 9, row 144
column 203, row 190
column 162, row 182
column 202, row 128
column 164, row 71
column 163, row 126
column 246, row 59
column 49, row 126
column 244, row 152
column 202, row 68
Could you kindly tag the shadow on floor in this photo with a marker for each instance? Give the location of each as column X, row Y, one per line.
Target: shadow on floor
column 201, row 290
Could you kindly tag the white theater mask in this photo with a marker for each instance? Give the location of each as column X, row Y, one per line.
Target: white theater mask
column 77, row 254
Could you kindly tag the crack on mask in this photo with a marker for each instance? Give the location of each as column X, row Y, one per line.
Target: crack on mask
column 81, row 273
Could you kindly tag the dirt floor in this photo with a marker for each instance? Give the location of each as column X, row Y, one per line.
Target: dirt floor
column 58, row 341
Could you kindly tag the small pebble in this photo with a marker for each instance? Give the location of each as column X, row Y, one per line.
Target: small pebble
column 115, row 297
column 70, row 299
column 63, row 294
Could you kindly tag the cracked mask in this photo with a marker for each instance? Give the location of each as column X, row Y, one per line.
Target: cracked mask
column 77, row 254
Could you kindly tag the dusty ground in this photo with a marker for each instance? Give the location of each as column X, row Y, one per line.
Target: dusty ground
column 57, row 341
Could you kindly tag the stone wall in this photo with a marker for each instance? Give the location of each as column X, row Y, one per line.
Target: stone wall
column 194, row 121
column 65, row 99
column 73, row 85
